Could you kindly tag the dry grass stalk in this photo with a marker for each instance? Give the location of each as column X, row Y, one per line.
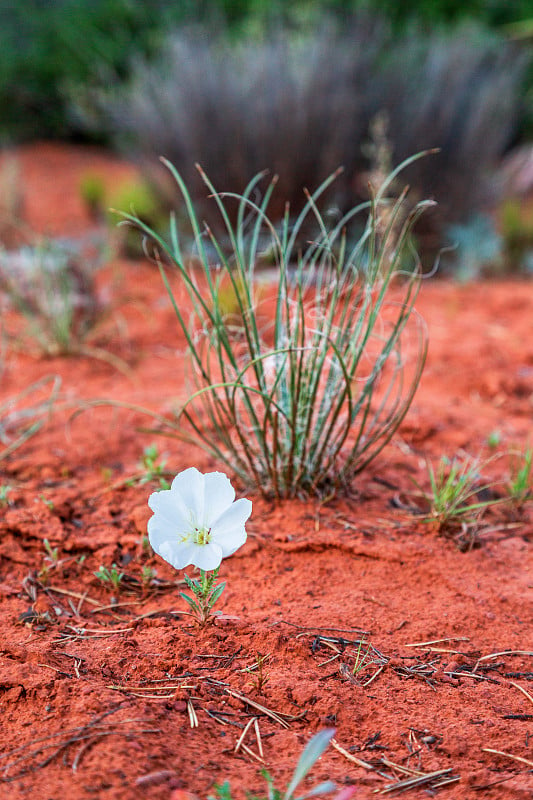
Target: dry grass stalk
column 439, row 641
column 502, row 653
column 240, row 741
column 508, row 755
column 416, row 777
column 521, row 688
column 419, row 780
column 274, row 715
column 193, row 718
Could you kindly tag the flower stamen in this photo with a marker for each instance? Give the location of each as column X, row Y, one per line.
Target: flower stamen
column 201, row 536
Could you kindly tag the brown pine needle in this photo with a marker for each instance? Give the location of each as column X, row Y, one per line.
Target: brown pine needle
column 375, row 675
column 117, row 605
column 193, row 719
column 439, row 641
column 503, row 653
column 521, row 688
column 247, row 727
column 508, row 755
column 411, row 783
column 349, row 756
column 252, row 754
column 82, row 597
column 258, row 737
column 263, row 709
column 146, row 688
column 401, row 768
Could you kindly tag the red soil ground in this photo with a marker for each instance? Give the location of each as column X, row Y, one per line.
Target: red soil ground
column 122, row 697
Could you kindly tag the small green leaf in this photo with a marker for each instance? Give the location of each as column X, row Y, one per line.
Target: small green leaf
column 310, row 755
column 217, row 591
column 192, row 584
column 322, row 788
column 195, row 607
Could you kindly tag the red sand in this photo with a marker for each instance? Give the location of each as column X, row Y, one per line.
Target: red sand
column 120, row 698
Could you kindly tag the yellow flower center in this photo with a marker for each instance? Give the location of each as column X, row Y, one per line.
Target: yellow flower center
column 199, row 536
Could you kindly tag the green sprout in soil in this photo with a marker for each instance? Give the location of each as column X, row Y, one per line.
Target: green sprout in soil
column 110, row 577
column 363, row 657
column 4, row 495
column 312, row 752
column 146, row 547
column 206, row 593
column 257, row 670
column 494, row 439
column 151, row 469
column 50, row 561
column 453, row 497
column 519, row 487
column 148, row 576
column 48, row 503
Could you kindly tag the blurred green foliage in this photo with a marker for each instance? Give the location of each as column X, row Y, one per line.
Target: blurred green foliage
column 46, row 46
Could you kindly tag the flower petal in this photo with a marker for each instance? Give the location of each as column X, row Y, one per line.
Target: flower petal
column 231, row 541
column 160, row 534
column 203, row 556
column 228, row 530
column 180, row 554
column 188, row 486
column 169, row 506
column 219, row 494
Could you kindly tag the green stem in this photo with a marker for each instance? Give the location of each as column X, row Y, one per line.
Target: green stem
column 205, row 584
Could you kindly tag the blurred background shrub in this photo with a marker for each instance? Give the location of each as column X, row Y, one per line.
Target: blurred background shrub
column 48, row 45
column 300, row 104
column 293, row 88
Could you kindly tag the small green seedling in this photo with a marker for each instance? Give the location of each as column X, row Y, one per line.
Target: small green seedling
column 150, row 470
column 519, row 488
column 146, row 547
column 454, row 488
column 312, row 752
column 4, row 495
column 48, row 503
column 147, row 576
column 257, row 669
column 110, row 577
column 494, row 439
column 362, row 657
column 50, row 561
column 52, row 554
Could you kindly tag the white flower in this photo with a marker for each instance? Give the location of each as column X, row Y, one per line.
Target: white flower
column 197, row 521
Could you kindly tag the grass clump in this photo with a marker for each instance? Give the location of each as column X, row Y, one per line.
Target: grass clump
column 313, row 384
column 51, row 285
column 520, row 484
column 55, row 294
column 458, row 496
column 453, row 486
